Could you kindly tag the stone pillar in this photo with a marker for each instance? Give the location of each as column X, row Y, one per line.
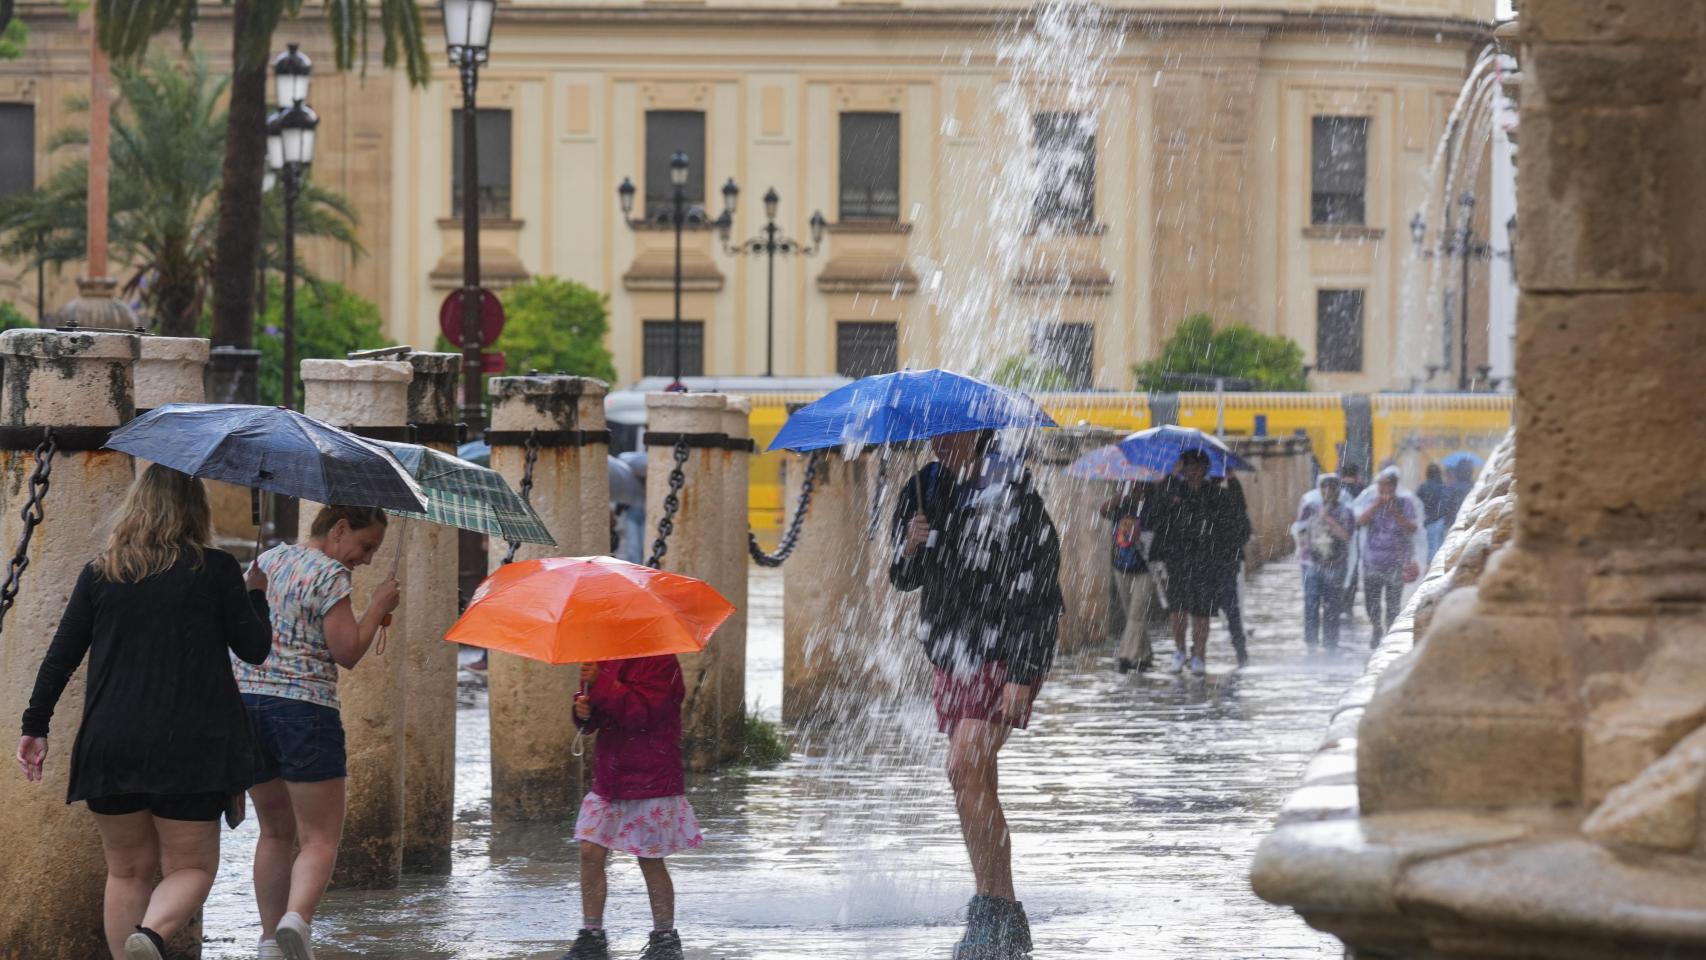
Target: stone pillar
column 371, row 397
column 534, row 776
column 736, row 524
column 232, row 375
column 1086, row 571
column 52, row 874
column 429, row 664
column 696, row 549
column 171, row 370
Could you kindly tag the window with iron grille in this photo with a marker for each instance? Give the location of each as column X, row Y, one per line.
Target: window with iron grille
column 865, row 348
column 1338, row 331
column 1070, row 347
column 669, row 132
column 17, row 148
column 658, row 359
column 870, row 166
column 1340, row 171
column 1064, row 154
column 493, row 188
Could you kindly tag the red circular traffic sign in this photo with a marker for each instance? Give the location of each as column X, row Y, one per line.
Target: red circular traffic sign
column 491, row 317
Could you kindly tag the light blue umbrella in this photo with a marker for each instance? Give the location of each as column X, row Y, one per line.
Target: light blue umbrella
column 909, row 405
column 1158, row 448
column 1110, row 463
column 1452, row 461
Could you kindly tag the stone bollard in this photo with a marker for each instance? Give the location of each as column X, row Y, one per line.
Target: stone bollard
column 52, row 874
column 171, row 370
column 534, row 775
column 429, row 664
column 733, row 585
column 370, row 398
column 695, row 549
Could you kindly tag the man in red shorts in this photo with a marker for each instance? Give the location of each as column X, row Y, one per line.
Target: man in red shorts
column 973, row 536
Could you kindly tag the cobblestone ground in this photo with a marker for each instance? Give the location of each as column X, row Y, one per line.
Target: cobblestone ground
column 1135, row 802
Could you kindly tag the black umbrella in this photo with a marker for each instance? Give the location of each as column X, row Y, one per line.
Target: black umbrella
column 273, row 449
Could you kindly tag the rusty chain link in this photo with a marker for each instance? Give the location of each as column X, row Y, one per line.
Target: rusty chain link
column 671, row 503
column 791, row 538
column 32, row 515
column 532, row 448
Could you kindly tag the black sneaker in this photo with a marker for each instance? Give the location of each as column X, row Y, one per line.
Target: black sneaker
column 1124, row 665
column 1013, row 933
column 979, row 940
column 1243, row 658
column 663, row 945
column 1146, row 664
column 589, row 945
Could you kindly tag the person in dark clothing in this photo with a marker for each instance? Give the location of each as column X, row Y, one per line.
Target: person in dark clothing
column 1227, row 544
column 974, row 538
column 1199, row 526
column 1435, row 495
column 165, row 745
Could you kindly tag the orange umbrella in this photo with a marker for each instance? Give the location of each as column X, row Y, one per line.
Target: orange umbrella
column 583, row 609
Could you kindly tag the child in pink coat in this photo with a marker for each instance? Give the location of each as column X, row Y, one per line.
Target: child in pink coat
column 637, row 803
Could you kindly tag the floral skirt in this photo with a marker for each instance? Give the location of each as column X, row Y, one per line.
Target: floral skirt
column 652, row 828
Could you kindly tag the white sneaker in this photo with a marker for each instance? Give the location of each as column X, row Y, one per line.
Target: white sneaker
column 1198, row 668
column 137, row 946
column 295, row 940
column 1178, row 663
column 269, row 950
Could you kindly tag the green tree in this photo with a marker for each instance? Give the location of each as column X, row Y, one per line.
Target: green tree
column 13, row 36
column 125, row 28
column 1029, row 373
column 11, row 318
column 167, row 138
column 331, row 321
column 553, row 325
column 1197, row 351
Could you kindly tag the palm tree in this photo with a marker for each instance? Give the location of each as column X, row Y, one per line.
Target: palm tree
column 125, row 29
column 167, row 139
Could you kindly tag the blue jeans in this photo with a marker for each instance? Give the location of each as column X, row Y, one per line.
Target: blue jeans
column 1436, row 536
column 300, row 742
column 1323, row 602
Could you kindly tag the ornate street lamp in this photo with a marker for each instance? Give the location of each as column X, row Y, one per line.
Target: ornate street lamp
column 468, row 36
column 290, row 153
column 1463, row 244
column 769, row 242
column 678, row 215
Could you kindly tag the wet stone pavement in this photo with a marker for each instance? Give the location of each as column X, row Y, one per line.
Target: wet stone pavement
column 1136, row 803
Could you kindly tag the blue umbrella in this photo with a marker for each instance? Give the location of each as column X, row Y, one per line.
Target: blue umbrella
column 272, row 449
column 1158, row 448
column 909, row 405
column 1110, row 463
column 1452, row 461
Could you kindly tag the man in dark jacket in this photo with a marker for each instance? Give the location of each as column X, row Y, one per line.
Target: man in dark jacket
column 1227, row 544
column 1196, row 523
column 973, row 536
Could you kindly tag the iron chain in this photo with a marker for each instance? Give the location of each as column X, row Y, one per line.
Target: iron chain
column 791, row 538
column 32, row 516
column 671, row 503
column 532, row 448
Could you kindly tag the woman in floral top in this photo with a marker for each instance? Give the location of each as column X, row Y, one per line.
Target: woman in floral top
column 293, row 702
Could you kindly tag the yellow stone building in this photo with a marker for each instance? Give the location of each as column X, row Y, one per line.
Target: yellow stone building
column 1259, row 162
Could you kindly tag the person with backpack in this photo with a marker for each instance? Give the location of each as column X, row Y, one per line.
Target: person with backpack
column 1324, row 531
column 1134, row 587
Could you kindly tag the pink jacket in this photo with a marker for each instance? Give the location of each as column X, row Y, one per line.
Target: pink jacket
column 636, row 709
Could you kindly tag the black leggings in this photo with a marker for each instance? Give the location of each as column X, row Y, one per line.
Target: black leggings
column 1385, row 597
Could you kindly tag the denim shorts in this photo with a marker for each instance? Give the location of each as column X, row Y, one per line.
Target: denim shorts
column 299, row 741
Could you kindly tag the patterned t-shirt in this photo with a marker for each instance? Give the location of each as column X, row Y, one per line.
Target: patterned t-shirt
column 303, row 584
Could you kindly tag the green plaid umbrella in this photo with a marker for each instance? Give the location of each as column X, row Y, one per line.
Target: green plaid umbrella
column 467, row 495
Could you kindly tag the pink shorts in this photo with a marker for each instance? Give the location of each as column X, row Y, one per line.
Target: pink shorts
column 976, row 695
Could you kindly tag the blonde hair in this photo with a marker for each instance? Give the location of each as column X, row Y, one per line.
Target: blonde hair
column 164, row 514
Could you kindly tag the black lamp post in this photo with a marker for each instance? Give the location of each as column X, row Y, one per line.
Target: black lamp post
column 468, row 35
column 290, row 152
column 1463, row 244
column 678, row 215
column 769, row 242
